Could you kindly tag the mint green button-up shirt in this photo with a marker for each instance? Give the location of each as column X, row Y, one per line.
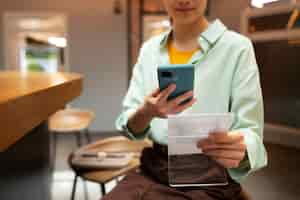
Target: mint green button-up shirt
column 226, row 80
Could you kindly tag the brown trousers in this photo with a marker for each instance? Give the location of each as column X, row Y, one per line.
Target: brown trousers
column 151, row 183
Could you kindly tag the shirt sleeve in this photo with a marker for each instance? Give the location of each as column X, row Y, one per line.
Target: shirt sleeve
column 247, row 106
column 133, row 99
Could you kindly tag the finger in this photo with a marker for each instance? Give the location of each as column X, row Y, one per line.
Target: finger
column 208, row 145
column 182, row 98
column 226, row 138
column 203, row 143
column 183, row 107
column 166, row 92
column 155, row 92
column 227, row 154
column 227, row 163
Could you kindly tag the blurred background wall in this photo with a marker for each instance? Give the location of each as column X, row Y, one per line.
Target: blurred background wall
column 97, row 49
column 97, row 43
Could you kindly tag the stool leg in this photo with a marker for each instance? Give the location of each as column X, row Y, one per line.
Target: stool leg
column 78, row 139
column 74, row 187
column 54, row 149
column 87, row 136
column 102, row 186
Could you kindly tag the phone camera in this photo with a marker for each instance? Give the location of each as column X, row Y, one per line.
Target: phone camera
column 167, row 74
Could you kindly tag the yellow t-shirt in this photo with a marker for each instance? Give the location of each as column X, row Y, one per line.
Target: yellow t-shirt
column 179, row 57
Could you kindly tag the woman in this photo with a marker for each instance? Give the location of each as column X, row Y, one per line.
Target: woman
column 226, row 80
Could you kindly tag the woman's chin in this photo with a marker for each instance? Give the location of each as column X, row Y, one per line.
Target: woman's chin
column 186, row 20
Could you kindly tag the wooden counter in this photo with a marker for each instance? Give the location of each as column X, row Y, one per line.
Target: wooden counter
column 27, row 99
column 26, row 148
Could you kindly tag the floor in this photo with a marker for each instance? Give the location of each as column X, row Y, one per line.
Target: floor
column 280, row 180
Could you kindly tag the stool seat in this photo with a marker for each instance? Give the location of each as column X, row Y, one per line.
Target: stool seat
column 109, row 145
column 105, row 175
column 70, row 120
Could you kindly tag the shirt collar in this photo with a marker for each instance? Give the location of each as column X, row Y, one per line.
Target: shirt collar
column 206, row 39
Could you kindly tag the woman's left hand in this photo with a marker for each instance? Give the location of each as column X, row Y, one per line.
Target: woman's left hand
column 228, row 149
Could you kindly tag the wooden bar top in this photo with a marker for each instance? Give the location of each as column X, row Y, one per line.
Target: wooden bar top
column 27, row 99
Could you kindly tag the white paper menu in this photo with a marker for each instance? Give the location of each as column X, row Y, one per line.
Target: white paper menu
column 185, row 130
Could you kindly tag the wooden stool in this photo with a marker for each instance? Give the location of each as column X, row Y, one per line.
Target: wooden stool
column 70, row 121
column 112, row 144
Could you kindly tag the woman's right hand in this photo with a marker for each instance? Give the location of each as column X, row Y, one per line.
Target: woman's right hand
column 157, row 105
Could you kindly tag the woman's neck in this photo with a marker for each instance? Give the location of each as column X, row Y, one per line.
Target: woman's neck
column 185, row 36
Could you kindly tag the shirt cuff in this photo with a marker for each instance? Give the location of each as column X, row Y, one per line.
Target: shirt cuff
column 242, row 171
column 121, row 125
column 256, row 156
